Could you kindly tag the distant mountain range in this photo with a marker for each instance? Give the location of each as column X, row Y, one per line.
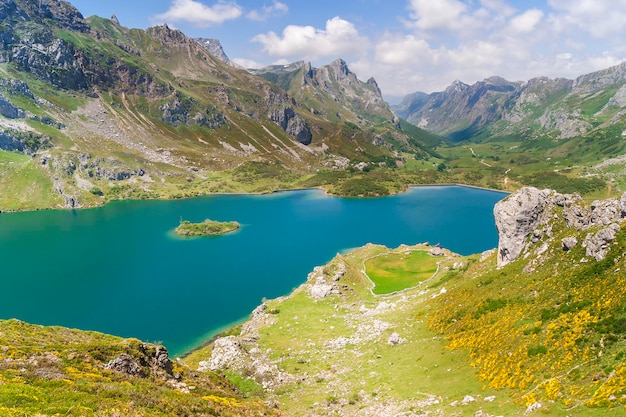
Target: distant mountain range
column 541, row 107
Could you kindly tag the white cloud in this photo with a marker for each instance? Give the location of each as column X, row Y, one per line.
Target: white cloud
column 527, row 21
column 469, row 40
column 405, row 50
column 247, row 63
column 307, row 42
column 473, row 40
column 277, row 8
column 600, row 18
column 440, row 14
column 200, row 14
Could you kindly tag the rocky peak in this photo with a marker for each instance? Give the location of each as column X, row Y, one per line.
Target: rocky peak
column 166, row 35
column 456, row 87
column 498, row 81
column 214, row 46
column 374, row 84
column 341, row 70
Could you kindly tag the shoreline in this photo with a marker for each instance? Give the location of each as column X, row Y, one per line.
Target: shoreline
column 262, row 193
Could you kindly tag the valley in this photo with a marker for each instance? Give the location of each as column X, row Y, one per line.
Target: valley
column 349, row 290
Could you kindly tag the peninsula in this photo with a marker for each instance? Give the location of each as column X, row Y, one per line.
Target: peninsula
column 206, row 228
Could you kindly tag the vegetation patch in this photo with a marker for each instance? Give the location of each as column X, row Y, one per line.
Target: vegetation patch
column 206, row 228
column 393, row 272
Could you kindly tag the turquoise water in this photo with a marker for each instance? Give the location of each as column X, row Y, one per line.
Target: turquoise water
column 119, row 269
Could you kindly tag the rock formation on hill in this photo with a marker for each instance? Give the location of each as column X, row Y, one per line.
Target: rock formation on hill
column 524, row 218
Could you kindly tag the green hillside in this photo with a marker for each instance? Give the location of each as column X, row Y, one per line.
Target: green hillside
column 53, row 371
column 543, row 334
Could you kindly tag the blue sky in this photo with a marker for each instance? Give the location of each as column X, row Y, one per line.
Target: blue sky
column 407, row 45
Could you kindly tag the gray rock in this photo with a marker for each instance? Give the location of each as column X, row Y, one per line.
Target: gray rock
column 395, row 339
column 8, row 110
column 568, row 243
column 229, row 353
column 215, row 48
column 605, row 212
column 124, row 364
column 517, row 217
column 598, row 244
column 436, row 251
column 9, row 142
column 292, row 123
column 468, row 399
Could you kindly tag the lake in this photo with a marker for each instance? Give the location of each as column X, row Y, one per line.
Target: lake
column 119, row 269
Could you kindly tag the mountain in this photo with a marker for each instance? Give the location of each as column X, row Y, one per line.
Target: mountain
column 103, row 112
column 334, row 92
column 541, row 107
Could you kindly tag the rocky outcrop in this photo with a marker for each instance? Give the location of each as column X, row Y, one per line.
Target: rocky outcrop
column 242, row 354
column 597, row 244
column 517, row 217
column 26, row 142
column 124, row 364
column 8, row 110
column 524, row 218
column 152, row 360
column 293, row 124
column 9, row 142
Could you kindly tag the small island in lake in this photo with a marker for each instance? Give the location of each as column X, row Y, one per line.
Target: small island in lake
column 206, row 228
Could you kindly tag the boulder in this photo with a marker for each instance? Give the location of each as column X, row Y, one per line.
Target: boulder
column 605, row 212
column 568, row 243
column 395, row 339
column 124, row 364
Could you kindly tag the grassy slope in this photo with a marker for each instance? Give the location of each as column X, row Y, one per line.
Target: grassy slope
column 58, row 371
column 552, row 332
column 24, row 184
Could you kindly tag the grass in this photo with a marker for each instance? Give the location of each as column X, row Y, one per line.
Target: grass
column 23, row 184
column 368, row 370
column 394, row 272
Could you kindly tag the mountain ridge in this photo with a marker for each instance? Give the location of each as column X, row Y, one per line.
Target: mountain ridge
column 558, row 108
